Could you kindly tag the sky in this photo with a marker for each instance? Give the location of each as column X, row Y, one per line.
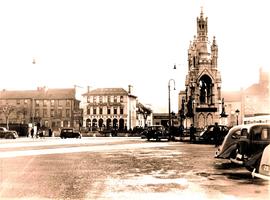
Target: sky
column 116, row 43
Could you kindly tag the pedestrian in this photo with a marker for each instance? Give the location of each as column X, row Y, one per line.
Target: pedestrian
column 50, row 132
column 216, row 131
column 181, row 132
column 40, row 133
column 192, row 131
column 32, row 132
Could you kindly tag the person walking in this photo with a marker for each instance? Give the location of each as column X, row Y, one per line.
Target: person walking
column 216, row 131
column 192, row 131
column 181, row 132
column 50, row 132
column 32, row 132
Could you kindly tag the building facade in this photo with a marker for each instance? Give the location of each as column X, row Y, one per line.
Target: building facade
column 250, row 102
column 144, row 115
column 200, row 103
column 52, row 108
column 109, row 108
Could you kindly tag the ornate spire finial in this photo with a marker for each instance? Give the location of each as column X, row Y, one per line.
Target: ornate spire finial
column 201, row 11
column 214, row 40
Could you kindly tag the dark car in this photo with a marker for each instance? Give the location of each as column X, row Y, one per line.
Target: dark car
column 70, row 133
column 8, row 134
column 251, row 144
column 156, row 132
column 208, row 136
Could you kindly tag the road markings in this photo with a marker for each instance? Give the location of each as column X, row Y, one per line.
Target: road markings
column 101, row 148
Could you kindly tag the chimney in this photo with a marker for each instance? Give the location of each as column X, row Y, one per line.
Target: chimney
column 129, row 89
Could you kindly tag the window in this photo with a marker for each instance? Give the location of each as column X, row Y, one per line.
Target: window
column 60, row 102
column 52, row 102
column 45, row 113
column 115, row 99
column 88, row 99
column 121, row 111
column 100, row 111
column 59, row 112
column 67, row 112
column 94, row 111
column 36, row 113
column 121, row 99
column 100, row 99
column 45, row 102
column 115, row 111
column 95, row 99
column 68, row 103
column 88, row 111
column 52, row 113
column 36, row 103
column 109, row 99
column 109, row 111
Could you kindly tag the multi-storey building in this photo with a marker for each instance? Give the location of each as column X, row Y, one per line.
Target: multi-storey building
column 109, row 108
column 52, row 108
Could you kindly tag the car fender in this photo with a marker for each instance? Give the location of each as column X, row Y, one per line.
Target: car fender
column 226, row 154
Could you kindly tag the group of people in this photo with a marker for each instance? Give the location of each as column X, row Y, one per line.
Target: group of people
column 40, row 133
column 192, row 132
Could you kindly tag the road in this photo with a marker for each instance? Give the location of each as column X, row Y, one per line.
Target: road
column 120, row 168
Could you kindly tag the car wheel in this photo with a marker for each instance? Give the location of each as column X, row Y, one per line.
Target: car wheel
column 10, row 137
column 233, row 154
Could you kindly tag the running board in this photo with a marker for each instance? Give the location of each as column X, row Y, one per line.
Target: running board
column 239, row 162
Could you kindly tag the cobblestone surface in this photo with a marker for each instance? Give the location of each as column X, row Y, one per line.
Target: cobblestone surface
column 126, row 168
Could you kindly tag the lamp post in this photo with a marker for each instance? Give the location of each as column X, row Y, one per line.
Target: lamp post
column 145, row 114
column 237, row 113
column 169, row 100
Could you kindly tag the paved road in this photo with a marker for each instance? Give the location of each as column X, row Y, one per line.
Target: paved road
column 120, row 168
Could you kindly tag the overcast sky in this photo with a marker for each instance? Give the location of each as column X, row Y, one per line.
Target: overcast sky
column 114, row 43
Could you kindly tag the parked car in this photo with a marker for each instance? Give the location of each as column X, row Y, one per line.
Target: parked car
column 250, row 146
column 263, row 171
column 143, row 133
column 8, row 134
column 137, row 130
column 156, row 132
column 208, row 135
column 69, row 133
column 228, row 147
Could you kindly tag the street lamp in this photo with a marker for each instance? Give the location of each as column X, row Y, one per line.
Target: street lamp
column 237, row 113
column 169, row 99
column 145, row 114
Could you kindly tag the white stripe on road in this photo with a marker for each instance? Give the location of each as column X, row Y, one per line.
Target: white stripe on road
column 49, row 142
column 10, row 154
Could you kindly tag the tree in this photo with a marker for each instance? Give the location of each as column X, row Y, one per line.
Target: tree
column 7, row 110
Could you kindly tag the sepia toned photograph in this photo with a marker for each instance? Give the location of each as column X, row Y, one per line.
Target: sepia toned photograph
column 134, row 99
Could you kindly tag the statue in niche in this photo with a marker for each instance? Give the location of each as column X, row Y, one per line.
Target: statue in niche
column 203, row 92
column 189, row 107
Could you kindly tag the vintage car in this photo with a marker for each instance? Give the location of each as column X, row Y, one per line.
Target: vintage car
column 8, row 134
column 69, row 133
column 207, row 135
column 156, row 132
column 263, row 171
column 254, row 138
column 228, row 147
